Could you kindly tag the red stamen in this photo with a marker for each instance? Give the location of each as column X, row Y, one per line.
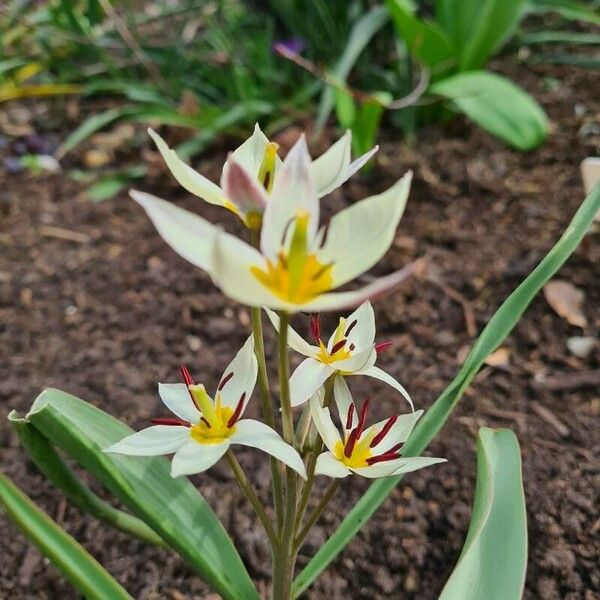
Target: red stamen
column 396, row 447
column 384, row 430
column 351, row 347
column 351, row 327
column 363, row 416
column 315, row 327
column 224, row 381
column 170, row 421
column 350, row 416
column 382, row 346
column 205, row 421
column 382, row 458
column 357, row 431
column 237, row 412
column 186, row 375
column 338, row 346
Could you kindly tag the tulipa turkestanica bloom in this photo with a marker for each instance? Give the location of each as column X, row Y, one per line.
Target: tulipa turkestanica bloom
column 251, row 172
column 351, row 350
column 371, row 452
column 204, row 428
column 298, row 263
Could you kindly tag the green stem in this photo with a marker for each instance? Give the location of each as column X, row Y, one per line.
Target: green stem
column 250, row 494
column 316, row 513
column 265, row 394
column 283, row 566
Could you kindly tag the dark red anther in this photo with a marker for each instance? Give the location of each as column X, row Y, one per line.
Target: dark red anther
column 237, row 412
column 315, row 327
column 205, row 421
column 384, row 430
column 351, row 327
column 325, row 233
column 224, row 381
column 350, row 416
column 382, row 346
column 351, row 347
column 363, row 417
column 316, row 276
column 357, row 431
column 382, row 458
column 338, row 346
column 186, row 375
column 395, row 448
column 170, row 421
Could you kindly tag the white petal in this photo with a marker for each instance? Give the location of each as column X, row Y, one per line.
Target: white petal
column 357, row 361
column 244, row 368
column 177, row 399
column 399, row 431
column 362, row 335
column 195, row 457
column 152, row 441
column 361, row 234
column 187, row 177
column 251, row 153
column 378, row 373
column 191, row 236
column 243, row 189
column 329, row 169
column 258, row 435
column 322, row 420
column 414, row 463
column 293, row 192
column 340, row 300
column 329, row 465
column 308, row 377
column 343, row 400
column 295, row 341
column 359, row 163
column 382, row 469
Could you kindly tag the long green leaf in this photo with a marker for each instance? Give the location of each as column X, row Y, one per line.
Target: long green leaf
column 362, row 32
column 569, row 9
column 493, row 561
column 498, row 105
column 173, row 508
column 499, row 326
column 69, row 557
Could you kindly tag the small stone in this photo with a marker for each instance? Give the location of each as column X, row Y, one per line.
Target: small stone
column 580, row 346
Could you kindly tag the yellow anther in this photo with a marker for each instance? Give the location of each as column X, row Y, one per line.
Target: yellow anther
column 253, row 220
column 266, row 173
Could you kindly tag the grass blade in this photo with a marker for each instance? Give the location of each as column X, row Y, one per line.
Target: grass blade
column 69, row 557
column 493, row 561
column 498, row 328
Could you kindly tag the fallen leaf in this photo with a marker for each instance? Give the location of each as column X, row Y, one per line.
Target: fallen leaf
column 566, row 300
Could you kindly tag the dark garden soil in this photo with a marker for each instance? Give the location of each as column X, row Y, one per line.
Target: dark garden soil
column 93, row 302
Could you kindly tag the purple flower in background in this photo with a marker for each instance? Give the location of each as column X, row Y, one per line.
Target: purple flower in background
column 294, row 45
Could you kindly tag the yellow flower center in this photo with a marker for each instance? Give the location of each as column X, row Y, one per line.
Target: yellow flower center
column 360, row 453
column 296, row 277
column 339, row 351
column 212, row 428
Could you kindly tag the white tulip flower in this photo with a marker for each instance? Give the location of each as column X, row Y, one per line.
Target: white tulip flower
column 371, row 452
column 298, row 263
column 204, row 429
column 351, row 350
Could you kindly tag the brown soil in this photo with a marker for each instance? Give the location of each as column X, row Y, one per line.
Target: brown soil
column 111, row 312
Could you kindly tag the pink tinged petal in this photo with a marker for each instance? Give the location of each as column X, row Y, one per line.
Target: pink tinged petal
column 329, row 170
column 340, row 300
column 187, row 177
column 191, row 236
column 293, row 193
column 344, row 402
column 330, row 466
column 176, row 398
column 378, row 373
column 414, row 463
column 322, row 419
column 239, row 377
column 255, row 434
column 361, row 234
column 308, row 377
column 196, row 458
column 295, row 341
column 399, row 432
column 152, row 441
column 243, row 189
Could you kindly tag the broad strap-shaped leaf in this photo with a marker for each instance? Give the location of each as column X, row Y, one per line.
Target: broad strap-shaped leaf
column 495, row 332
column 498, row 105
column 493, row 561
column 173, row 508
column 69, row 557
